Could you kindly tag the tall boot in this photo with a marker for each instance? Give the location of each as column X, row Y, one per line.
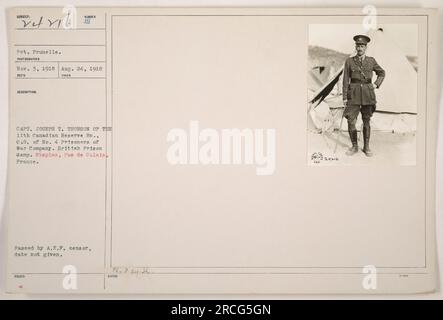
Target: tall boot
column 366, row 136
column 354, row 149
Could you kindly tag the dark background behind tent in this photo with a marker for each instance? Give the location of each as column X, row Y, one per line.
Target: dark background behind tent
column 324, row 57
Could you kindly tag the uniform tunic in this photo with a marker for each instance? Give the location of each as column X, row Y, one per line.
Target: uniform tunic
column 358, row 88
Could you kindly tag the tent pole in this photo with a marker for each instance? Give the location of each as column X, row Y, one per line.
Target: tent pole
column 339, row 129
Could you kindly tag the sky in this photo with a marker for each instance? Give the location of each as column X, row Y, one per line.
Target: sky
column 339, row 36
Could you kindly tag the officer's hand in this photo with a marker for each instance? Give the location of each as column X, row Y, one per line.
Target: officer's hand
column 345, row 102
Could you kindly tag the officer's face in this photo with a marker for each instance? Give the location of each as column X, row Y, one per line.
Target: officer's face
column 361, row 49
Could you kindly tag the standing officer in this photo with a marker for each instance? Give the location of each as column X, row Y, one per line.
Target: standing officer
column 358, row 92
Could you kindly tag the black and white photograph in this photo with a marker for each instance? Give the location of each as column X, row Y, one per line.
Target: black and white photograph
column 362, row 94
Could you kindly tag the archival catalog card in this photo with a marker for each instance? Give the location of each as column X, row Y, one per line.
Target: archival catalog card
column 224, row 150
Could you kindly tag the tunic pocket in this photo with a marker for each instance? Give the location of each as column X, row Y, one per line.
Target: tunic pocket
column 354, row 94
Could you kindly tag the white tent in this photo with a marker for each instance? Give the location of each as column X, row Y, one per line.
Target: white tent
column 398, row 92
column 396, row 98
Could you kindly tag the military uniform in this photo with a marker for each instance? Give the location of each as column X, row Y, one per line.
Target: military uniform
column 358, row 92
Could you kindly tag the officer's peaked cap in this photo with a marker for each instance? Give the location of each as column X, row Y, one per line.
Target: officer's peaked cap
column 361, row 39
